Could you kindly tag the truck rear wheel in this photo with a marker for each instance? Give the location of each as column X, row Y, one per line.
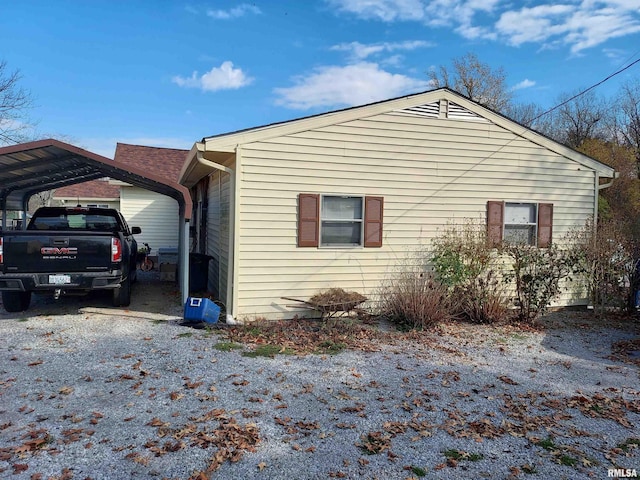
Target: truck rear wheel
column 16, row 301
column 122, row 294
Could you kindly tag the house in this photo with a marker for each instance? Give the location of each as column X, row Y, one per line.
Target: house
column 154, row 213
column 95, row 193
column 339, row 199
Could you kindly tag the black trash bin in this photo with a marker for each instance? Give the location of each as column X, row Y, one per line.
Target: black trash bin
column 198, row 272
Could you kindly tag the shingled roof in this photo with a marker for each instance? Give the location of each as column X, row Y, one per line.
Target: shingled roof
column 95, row 189
column 166, row 162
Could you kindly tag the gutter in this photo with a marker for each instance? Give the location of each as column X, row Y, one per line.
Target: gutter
column 230, row 318
column 598, row 189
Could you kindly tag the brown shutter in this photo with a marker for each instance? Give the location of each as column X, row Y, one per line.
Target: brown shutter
column 308, row 219
column 495, row 211
column 545, row 224
column 373, row 207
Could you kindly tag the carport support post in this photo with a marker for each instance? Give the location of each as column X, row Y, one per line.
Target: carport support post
column 183, row 241
column 25, row 210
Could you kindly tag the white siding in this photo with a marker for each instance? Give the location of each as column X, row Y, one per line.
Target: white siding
column 430, row 172
column 157, row 215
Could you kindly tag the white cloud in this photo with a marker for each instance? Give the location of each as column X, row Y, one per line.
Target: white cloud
column 526, row 83
column 432, row 12
column 357, row 84
column 578, row 24
column 235, row 12
column 360, row 51
column 224, row 77
column 385, row 10
column 615, row 54
column 535, row 24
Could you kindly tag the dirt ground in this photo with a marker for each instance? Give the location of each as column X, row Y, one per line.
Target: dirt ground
column 148, row 295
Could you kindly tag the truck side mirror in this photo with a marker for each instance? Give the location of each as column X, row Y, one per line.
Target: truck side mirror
column 136, row 230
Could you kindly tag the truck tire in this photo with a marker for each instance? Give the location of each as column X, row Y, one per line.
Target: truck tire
column 122, row 294
column 16, row 301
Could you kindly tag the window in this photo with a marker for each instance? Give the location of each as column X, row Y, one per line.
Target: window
column 520, row 222
column 339, row 220
column 95, row 205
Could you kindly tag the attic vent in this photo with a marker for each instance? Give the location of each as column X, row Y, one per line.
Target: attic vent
column 456, row 112
column 431, row 110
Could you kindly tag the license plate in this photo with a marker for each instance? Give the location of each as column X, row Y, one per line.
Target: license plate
column 59, row 279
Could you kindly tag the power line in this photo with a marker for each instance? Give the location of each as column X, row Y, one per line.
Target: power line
column 587, row 89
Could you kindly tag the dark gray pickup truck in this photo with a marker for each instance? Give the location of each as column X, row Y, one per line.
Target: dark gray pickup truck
column 68, row 250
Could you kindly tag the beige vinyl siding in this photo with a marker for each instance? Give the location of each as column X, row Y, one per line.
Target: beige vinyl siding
column 429, row 171
column 213, row 233
column 155, row 214
column 218, row 232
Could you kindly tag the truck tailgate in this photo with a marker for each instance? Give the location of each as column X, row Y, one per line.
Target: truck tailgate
column 31, row 252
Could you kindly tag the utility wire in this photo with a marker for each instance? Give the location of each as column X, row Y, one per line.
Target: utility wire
column 587, row 89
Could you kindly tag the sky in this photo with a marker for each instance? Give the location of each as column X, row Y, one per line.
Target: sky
column 167, row 73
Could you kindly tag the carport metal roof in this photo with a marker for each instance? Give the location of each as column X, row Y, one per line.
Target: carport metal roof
column 33, row 167
column 29, row 168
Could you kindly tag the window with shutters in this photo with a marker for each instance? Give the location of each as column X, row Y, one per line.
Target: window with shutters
column 520, row 222
column 339, row 220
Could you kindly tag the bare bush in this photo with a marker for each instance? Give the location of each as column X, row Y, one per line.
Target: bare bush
column 609, row 257
column 415, row 300
column 483, row 299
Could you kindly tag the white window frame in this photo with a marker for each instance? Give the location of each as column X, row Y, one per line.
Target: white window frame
column 97, row 205
column 505, row 224
column 324, row 219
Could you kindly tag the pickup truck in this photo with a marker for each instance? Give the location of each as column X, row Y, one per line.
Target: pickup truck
column 68, row 250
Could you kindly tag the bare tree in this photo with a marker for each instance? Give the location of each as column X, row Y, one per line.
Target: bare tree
column 627, row 120
column 476, row 80
column 579, row 117
column 14, row 102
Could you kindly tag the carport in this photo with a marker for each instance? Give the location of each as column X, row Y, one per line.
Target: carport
column 33, row 167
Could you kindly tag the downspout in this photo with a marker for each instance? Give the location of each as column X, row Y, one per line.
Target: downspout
column 598, row 188
column 232, row 221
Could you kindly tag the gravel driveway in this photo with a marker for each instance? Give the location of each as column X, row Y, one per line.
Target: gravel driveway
column 87, row 391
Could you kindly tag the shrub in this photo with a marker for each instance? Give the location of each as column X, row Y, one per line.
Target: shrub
column 536, row 274
column 414, row 299
column 609, row 258
column 462, row 260
column 483, row 299
column 460, row 253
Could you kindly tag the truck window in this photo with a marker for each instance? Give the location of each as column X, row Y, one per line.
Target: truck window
column 75, row 219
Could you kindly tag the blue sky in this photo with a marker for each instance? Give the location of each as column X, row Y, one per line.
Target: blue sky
column 167, row 73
